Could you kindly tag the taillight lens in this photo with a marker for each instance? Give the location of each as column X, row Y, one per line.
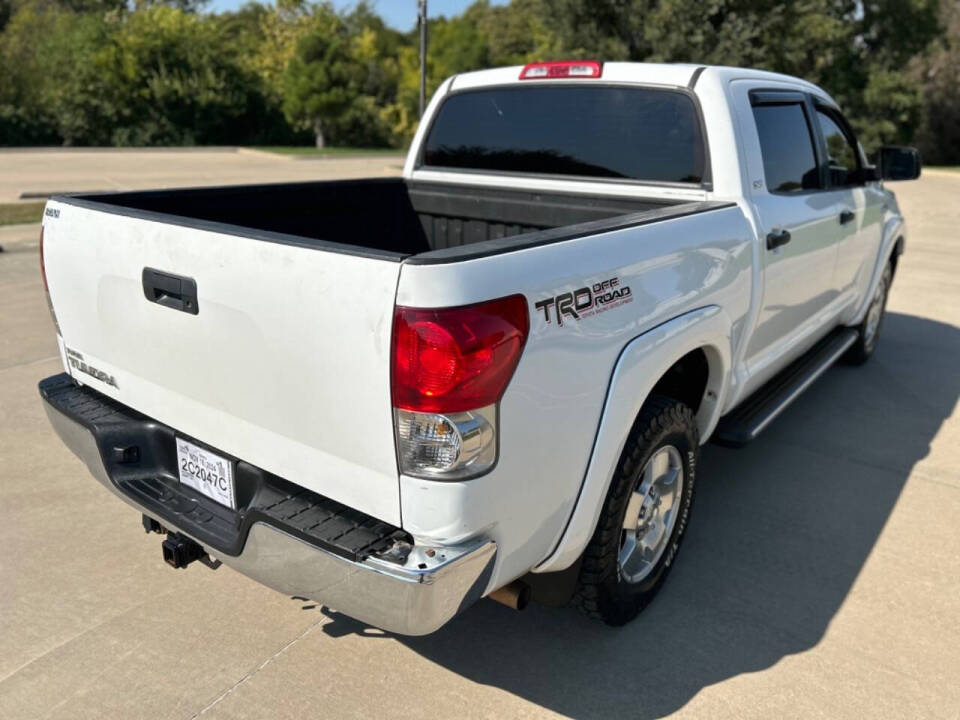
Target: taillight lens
column 455, row 359
column 451, row 366
column 452, row 446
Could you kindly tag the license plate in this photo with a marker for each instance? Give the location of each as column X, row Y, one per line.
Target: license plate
column 206, row 472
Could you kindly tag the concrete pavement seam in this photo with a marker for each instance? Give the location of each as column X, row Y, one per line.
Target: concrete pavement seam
column 111, row 618
column 252, row 673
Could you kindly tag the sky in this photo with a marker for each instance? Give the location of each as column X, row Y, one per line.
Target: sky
column 400, row 14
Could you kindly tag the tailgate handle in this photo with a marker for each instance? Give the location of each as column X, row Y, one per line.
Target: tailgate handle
column 173, row 291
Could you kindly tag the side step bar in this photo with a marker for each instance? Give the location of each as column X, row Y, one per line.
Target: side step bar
column 756, row 412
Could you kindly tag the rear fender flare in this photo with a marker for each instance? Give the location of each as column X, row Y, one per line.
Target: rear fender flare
column 641, row 364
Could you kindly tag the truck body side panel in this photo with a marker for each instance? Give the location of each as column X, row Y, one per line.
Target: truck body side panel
column 640, row 365
column 551, row 410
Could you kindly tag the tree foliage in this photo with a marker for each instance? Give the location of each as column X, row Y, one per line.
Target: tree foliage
column 157, row 72
column 937, row 75
column 858, row 51
column 341, row 79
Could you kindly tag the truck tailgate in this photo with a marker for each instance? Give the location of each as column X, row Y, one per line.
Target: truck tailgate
column 286, row 363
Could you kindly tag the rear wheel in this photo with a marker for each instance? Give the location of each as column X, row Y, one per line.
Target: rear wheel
column 868, row 332
column 644, row 515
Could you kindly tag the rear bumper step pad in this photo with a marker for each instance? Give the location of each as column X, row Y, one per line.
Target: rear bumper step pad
column 139, row 455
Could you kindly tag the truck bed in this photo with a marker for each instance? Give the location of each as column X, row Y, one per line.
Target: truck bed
column 258, row 319
column 390, row 217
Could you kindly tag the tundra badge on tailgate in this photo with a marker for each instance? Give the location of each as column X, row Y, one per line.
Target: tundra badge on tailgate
column 78, row 363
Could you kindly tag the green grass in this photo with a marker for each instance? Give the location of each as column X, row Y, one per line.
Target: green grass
column 327, row 151
column 19, row 213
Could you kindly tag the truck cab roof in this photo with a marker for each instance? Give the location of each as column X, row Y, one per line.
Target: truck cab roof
column 684, row 75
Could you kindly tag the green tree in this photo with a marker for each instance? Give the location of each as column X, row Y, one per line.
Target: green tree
column 163, row 72
column 321, row 80
column 857, row 50
column 517, row 33
column 153, row 75
column 6, row 10
column 170, row 79
column 375, row 118
column 937, row 75
column 341, row 79
column 50, row 92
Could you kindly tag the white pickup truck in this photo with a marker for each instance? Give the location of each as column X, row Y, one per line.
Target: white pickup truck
column 492, row 375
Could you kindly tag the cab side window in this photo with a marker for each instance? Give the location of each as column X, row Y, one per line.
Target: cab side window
column 789, row 160
column 842, row 156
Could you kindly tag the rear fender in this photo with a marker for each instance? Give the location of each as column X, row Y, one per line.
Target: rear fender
column 640, row 365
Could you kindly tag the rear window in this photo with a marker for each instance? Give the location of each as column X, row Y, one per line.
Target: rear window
column 608, row 132
column 789, row 162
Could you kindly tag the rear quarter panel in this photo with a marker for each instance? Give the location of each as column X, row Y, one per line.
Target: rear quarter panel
column 550, row 412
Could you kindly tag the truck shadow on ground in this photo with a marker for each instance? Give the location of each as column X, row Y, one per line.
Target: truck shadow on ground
column 780, row 531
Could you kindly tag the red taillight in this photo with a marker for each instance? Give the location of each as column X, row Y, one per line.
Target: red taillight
column 456, row 359
column 43, row 268
column 562, row 69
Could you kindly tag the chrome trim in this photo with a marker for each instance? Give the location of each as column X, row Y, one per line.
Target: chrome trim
column 403, row 599
column 651, row 514
column 417, row 598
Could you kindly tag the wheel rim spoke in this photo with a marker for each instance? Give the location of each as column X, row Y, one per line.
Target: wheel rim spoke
column 632, row 516
column 660, row 463
column 651, row 514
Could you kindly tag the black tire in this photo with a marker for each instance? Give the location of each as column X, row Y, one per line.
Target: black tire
column 866, row 343
column 602, row 592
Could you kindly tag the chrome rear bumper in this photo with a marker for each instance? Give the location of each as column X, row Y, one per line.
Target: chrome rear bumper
column 408, row 599
column 432, row 586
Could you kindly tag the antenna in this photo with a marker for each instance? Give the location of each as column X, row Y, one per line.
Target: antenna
column 422, row 21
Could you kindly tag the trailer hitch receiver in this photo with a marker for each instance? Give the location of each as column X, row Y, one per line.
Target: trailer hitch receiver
column 179, row 551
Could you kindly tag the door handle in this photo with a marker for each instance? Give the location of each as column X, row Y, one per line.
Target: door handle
column 847, row 216
column 777, row 239
column 172, row 291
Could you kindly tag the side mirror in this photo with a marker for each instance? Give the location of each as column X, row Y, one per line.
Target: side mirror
column 899, row 163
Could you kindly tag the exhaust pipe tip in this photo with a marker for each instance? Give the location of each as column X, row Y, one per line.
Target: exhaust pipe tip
column 514, row 595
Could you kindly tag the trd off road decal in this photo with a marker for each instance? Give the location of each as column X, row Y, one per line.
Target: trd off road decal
column 586, row 301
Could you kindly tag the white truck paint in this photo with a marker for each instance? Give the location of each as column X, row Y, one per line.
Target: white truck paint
column 287, row 366
column 219, row 376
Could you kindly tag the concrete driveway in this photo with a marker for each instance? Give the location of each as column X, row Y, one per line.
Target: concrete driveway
column 820, row 577
column 33, row 172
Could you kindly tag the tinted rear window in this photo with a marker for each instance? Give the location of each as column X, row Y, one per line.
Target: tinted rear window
column 789, row 163
column 634, row 133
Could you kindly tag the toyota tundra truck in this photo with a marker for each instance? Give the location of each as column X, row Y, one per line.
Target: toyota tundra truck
column 492, row 375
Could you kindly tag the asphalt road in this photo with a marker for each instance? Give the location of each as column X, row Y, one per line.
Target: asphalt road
column 820, row 577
